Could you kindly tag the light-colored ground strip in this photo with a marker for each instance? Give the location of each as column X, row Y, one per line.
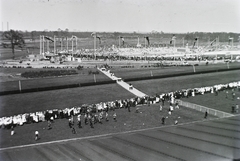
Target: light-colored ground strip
column 104, row 135
column 108, row 73
column 133, row 90
column 120, row 82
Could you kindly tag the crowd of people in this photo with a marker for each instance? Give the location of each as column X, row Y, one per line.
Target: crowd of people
column 96, row 112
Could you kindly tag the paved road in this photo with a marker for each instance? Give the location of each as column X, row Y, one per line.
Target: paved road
column 214, row 140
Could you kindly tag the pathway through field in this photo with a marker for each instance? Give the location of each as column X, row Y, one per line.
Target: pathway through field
column 125, row 85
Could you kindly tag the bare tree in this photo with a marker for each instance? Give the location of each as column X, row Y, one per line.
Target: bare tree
column 15, row 38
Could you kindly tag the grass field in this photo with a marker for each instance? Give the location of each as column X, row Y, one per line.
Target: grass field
column 151, row 87
column 60, row 99
column 149, row 117
column 84, row 77
column 126, row 73
column 219, row 102
column 32, row 102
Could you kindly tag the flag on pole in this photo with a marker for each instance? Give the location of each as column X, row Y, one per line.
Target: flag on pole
column 214, row 41
column 147, row 38
column 195, row 40
column 172, row 39
column 74, row 37
column 93, row 34
column 49, row 38
column 99, row 38
column 229, row 40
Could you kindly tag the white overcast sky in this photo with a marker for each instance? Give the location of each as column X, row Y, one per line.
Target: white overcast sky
column 178, row 16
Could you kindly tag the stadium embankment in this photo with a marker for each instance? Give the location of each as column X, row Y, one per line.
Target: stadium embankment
column 76, row 85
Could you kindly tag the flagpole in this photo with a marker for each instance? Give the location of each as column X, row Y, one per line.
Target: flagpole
column 76, row 43
column 67, row 44
column 54, row 44
column 47, row 46
column 40, row 44
column 145, row 41
column 183, row 42
column 95, row 37
column 72, row 45
column 43, row 43
column 197, row 43
column 119, row 41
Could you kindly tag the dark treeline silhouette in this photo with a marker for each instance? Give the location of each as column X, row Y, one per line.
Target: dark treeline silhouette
column 202, row 36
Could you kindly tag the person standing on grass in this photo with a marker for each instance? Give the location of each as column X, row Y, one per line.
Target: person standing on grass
column 85, row 118
column 100, row 117
column 163, row 120
column 237, row 107
column 233, row 108
column 171, row 108
column 79, row 121
column 226, row 94
column 36, row 135
column 70, row 123
column 233, row 95
column 206, row 114
column 160, row 108
column 175, row 122
column 49, row 125
column 162, row 100
column 12, row 131
column 73, row 130
column 90, row 120
column 106, row 116
column 115, row 117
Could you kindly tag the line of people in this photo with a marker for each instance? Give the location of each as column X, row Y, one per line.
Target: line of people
column 96, row 109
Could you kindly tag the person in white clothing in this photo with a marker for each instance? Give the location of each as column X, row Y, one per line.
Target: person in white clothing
column 36, row 135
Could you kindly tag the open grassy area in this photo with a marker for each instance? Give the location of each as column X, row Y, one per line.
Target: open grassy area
column 149, row 117
column 222, row 101
column 151, row 87
column 60, row 99
column 83, row 76
column 127, row 73
column 32, row 102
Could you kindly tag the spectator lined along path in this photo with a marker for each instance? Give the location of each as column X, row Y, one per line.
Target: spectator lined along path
column 125, row 85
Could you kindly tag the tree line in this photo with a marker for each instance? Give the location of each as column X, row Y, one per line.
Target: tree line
column 203, row 36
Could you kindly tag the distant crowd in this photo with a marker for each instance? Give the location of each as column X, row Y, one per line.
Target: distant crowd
column 95, row 112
